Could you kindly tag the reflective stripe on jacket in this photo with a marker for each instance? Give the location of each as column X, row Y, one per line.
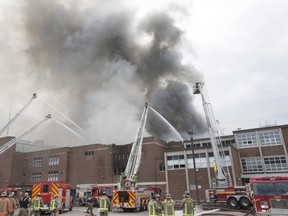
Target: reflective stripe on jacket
column 103, row 204
column 169, row 208
column 53, row 204
column 151, row 209
column 188, row 208
column 37, row 204
column 12, row 204
column 4, row 205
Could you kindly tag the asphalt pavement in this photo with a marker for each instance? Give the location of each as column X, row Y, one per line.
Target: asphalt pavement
column 79, row 211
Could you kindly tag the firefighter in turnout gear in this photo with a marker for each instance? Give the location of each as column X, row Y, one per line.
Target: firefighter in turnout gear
column 168, row 206
column 4, row 204
column 37, row 203
column 104, row 204
column 53, row 205
column 187, row 205
column 12, row 204
column 153, row 207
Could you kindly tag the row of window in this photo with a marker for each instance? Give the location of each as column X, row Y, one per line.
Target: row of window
column 208, row 144
column 53, row 161
column 178, row 161
column 52, row 176
column 271, row 164
column 268, row 138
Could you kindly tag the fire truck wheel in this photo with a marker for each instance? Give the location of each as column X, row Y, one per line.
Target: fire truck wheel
column 233, row 202
column 245, row 202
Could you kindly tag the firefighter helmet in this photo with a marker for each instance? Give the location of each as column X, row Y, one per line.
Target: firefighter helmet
column 186, row 194
column 157, row 196
column 4, row 194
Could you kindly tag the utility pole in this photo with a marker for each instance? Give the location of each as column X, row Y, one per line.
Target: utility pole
column 190, row 132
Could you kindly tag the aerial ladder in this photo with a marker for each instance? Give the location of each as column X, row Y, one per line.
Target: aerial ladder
column 129, row 196
column 132, row 167
column 17, row 114
column 11, row 142
column 223, row 177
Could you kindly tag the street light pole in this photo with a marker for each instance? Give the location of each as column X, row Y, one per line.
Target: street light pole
column 190, row 132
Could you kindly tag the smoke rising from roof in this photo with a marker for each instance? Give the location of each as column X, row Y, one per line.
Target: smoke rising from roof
column 100, row 64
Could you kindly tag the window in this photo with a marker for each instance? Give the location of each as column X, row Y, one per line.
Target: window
column 251, row 165
column 45, row 188
column 176, row 162
column 224, row 158
column 269, row 138
column 278, row 163
column 200, row 160
column 53, row 176
column 246, row 140
column 37, row 162
column 87, row 153
column 54, row 160
column 36, row 177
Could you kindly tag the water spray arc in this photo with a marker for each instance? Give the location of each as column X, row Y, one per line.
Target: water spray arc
column 71, row 130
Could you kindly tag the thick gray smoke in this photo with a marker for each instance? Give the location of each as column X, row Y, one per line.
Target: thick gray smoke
column 103, row 63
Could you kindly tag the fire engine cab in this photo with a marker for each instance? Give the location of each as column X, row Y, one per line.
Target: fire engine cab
column 97, row 192
column 47, row 188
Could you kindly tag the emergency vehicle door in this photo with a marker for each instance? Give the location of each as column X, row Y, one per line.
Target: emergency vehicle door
column 60, row 198
column 67, row 199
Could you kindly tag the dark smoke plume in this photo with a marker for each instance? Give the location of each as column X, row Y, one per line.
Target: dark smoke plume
column 104, row 64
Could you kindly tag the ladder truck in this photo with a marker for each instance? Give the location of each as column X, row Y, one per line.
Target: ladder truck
column 34, row 96
column 223, row 190
column 11, row 142
column 128, row 196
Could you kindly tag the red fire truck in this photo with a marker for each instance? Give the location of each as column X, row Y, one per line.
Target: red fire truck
column 97, row 192
column 270, row 195
column 131, row 200
column 232, row 196
column 48, row 188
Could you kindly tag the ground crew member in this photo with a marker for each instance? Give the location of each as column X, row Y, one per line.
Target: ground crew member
column 187, row 205
column 90, row 206
column 104, row 204
column 37, row 203
column 158, row 210
column 24, row 204
column 53, row 205
column 134, row 180
column 168, row 206
column 12, row 204
column 153, row 207
column 4, row 204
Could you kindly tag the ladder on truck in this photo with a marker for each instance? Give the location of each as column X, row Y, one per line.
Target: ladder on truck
column 223, row 177
column 13, row 141
column 34, row 96
column 133, row 164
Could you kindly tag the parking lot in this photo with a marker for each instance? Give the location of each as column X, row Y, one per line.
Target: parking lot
column 78, row 211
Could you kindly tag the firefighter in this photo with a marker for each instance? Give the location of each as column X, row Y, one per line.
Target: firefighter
column 12, row 204
column 24, row 205
column 4, row 204
column 89, row 210
column 158, row 210
column 53, row 205
column 187, row 205
column 153, row 207
column 134, row 180
column 104, row 204
column 36, row 204
column 168, row 206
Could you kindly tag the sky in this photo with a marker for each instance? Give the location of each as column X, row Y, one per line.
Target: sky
column 94, row 64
